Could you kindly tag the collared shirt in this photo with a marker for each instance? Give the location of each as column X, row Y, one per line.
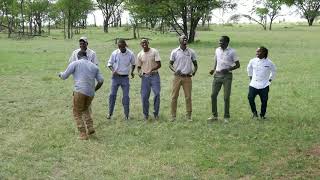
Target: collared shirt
column 90, row 54
column 121, row 62
column 225, row 58
column 261, row 71
column 84, row 74
column 183, row 59
column 147, row 60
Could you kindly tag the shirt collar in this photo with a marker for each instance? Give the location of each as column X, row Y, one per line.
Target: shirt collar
column 179, row 48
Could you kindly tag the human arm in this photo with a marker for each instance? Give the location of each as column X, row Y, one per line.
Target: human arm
column 195, row 64
column 250, row 69
column 99, row 79
column 273, row 72
column 214, row 66
column 70, row 69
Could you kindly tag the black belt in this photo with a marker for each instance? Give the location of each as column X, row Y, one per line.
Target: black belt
column 151, row 74
column 120, row 75
column 184, row 75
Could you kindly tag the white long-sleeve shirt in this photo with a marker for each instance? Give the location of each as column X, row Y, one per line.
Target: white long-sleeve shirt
column 92, row 56
column 261, row 70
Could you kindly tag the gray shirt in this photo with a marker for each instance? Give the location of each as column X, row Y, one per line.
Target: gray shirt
column 183, row 59
column 84, row 74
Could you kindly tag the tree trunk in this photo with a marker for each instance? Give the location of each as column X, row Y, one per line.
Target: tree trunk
column 49, row 27
column 310, row 21
column 21, row 9
column 69, row 24
column 134, row 31
column 270, row 24
column 193, row 26
column 94, row 20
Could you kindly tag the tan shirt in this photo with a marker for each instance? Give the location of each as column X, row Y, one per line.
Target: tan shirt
column 147, row 60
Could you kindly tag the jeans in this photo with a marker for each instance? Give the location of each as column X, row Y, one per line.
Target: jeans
column 263, row 93
column 117, row 81
column 149, row 82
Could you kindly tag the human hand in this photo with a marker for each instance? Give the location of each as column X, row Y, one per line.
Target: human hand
column 132, row 75
column 178, row 73
column 211, row 72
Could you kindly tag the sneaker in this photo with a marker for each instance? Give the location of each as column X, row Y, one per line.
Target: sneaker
column 83, row 136
column 108, row 116
column 189, row 118
column 156, row 118
column 226, row 120
column 254, row 116
column 212, row 118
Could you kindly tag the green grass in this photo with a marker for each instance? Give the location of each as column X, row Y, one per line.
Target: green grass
column 38, row 138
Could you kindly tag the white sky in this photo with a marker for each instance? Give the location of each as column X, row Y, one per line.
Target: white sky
column 244, row 7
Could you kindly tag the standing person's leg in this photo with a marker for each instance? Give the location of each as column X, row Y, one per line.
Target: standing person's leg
column 113, row 94
column 264, row 100
column 87, row 115
column 176, row 83
column 251, row 96
column 78, row 108
column 156, row 88
column 227, row 83
column 216, row 86
column 187, row 88
column 145, row 94
column 125, row 85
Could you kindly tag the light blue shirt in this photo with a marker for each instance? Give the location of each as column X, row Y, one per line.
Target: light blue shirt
column 121, row 62
column 84, row 74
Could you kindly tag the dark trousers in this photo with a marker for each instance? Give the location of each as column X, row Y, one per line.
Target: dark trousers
column 263, row 93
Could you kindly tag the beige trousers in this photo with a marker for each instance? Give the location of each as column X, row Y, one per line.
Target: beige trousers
column 186, row 84
column 81, row 111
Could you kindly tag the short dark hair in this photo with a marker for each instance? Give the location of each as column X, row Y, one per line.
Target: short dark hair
column 82, row 54
column 265, row 50
column 226, row 38
column 122, row 41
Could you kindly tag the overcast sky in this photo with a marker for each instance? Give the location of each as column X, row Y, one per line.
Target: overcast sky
column 244, row 7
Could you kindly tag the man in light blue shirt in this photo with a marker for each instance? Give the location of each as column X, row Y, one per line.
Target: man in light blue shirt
column 261, row 72
column 120, row 63
column 84, row 74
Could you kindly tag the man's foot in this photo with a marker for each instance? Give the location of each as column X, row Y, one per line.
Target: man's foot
column 127, row 118
column 226, row 120
column 212, row 119
column 156, row 117
column 189, row 118
column 254, row 116
column 145, row 118
column 108, row 116
column 263, row 117
column 91, row 131
column 83, row 136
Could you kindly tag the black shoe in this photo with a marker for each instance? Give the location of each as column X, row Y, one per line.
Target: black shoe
column 254, row 116
column 263, row 117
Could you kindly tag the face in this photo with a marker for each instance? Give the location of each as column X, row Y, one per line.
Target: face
column 144, row 44
column 83, row 45
column 260, row 54
column 183, row 40
column 223, row 43
column 122, row 47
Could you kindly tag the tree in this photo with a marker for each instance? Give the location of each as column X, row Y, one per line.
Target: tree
column 310, row 9
column 108, row 8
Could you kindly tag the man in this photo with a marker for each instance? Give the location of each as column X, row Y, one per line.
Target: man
column 226, row 61
column 84, row 74
column 119, row 63
column 148, row 62
column 83, row 42
column 261, row 72
column 182, row 60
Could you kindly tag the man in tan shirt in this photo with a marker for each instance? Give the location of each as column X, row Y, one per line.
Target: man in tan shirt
column 148, row 62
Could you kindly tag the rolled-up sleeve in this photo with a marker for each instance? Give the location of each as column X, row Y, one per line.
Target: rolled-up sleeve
column 172, row 56
column 193, row 55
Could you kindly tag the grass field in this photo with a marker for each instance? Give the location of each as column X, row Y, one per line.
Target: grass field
column 38, row 138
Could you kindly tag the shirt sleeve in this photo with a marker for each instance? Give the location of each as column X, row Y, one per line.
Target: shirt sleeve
column 250, row 68
column 193, row 56
column 70, row 70
column 172, row 56
column 138, row 61
column 133, row 59
column 111, row 60
column 235, row 56
column 73, row 57
column 156, row 55
column 94, row 59
column 99, row 76
column 273, row 71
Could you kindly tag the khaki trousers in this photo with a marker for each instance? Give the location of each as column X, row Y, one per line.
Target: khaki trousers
column 186, row 84
column 81, row 111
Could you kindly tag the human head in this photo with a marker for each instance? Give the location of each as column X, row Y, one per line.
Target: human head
column 224, row 42
column 83, row 43
column 262, row 52
column 82, row 54
column 183, row 40
column 144, row 44
column 122, row 45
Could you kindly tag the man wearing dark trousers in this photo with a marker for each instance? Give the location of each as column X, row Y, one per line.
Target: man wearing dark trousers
column 225, row 61
column 261, row 72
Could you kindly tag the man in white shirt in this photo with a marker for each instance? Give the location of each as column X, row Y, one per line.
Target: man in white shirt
column 83, row 43
column 84, row 74
column 120, row 62
column 183, row 63
column 148, row 62
column 261, row 72
column 225, row 61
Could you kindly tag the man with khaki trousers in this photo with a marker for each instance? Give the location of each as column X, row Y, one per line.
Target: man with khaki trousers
column 183, row 63
column 225, row 61
column 84, row 74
